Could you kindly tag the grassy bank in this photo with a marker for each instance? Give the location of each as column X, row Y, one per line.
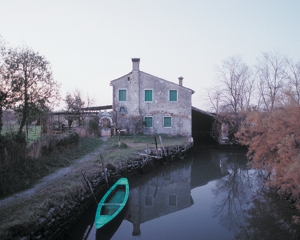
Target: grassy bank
column 21, row 176
column 132, row 144
column 23, row 216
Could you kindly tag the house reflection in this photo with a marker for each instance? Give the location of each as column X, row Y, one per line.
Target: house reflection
column 210, row 165
column 167, row 190
column 159, row 195
column 170, row 190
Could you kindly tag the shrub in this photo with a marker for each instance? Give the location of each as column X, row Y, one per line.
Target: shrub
column 273, row 139
column 93, row 125
column 57, row 143
column 12, row 147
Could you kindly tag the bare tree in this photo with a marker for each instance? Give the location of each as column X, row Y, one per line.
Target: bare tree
column 271, row 77
column 236, row 84
column 3, row 82
column 292, row 90
column 30, row 82
column 74, row 104
column 214, row 98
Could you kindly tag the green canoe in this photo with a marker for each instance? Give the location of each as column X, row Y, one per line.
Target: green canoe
column 112, row 203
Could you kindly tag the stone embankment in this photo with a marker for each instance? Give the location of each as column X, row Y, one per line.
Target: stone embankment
column 59, row 219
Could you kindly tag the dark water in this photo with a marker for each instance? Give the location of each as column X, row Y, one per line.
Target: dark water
column 210, row 195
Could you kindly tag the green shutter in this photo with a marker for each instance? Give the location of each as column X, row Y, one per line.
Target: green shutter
column 148, row 201
column 148, row 95
column 167, row 122
column 173, row 95
column 122, row 95
column 148, row 122
column 173, row 200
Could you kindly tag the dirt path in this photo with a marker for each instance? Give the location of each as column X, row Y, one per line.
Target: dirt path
column 54, row 176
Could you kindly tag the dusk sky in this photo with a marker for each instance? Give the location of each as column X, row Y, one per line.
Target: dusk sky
column 91, row 42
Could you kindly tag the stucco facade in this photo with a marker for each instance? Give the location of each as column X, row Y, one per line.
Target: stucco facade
column 143, row 103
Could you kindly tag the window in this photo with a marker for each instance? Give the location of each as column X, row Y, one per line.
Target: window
column 122, row 110
column 122, row 95
column 148, row 201
column 168, row 177
column 172, row 200
column 173, row 95
column 148, row 95
column 148, row 122
column 167, row 122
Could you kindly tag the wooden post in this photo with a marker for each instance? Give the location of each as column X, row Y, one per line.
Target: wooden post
column 119, row 137
column 156, row 147
column 147, row 152
column 103, row 168
column 162, row 145
column 89, row 186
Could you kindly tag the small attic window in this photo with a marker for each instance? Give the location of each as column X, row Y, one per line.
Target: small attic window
column 128, row 78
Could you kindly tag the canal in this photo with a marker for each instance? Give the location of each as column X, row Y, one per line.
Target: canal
column 212, row 194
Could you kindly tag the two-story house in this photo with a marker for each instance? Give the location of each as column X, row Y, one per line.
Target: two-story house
column 143, row 103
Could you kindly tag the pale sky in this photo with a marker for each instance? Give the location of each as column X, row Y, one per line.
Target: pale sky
column 91, row 42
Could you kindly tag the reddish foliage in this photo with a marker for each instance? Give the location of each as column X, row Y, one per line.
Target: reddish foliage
column 273, row 139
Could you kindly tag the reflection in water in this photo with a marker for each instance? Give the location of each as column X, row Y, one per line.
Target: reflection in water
column 248, row 208
column 210, row 195
column 166, row 192
column 107, row 231
column 234, row 190
column 268, row 218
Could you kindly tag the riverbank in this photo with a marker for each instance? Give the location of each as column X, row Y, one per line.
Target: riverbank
column 54, row 206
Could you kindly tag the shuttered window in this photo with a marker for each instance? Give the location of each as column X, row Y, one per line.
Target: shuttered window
column 173, row 95
column 148, row 122
column 148, row 201
column 167, row 122
column 122, row 95
column 148, row 95
column 172, row 200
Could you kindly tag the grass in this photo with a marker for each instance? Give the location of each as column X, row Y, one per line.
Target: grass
column 23, row 175
column 22, row 217
column 131, row 145
column 34, row 131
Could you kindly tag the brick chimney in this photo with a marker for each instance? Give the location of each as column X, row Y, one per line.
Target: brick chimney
column 180, row 81
column 135, row 64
